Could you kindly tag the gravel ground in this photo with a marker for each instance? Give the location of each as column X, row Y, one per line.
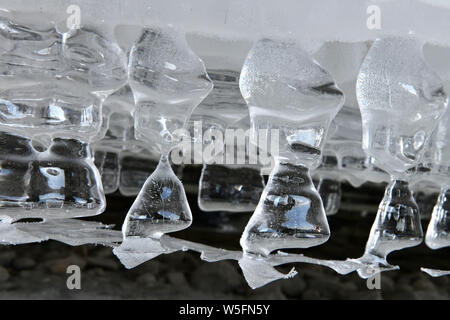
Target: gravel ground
column 38, row 271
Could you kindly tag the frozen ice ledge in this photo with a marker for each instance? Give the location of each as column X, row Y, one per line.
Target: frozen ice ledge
column 235, row 24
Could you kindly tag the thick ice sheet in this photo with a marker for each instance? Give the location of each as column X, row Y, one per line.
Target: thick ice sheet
column 340, row 20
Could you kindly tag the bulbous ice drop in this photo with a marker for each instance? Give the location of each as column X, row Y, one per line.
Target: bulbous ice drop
column 401, row 100
column 286, row 89
column 397, row 224
column 168, row 81
column 161, row 206
column 52, row 89
column 438, row 235
column 289, row 214
column 60, row 182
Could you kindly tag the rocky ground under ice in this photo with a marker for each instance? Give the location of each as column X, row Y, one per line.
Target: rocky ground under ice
column 38, row 271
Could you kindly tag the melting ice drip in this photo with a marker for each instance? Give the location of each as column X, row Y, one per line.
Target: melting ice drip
column 401, row 100
column 437, row 164
column 168, row 81
column 52, row 89
column 285, row 89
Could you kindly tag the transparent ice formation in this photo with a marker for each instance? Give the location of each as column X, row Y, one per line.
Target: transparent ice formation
column 224, row 106
column 52, row 89
column 59, row 182
column 229, row 188
column 109, row 168
column 70, row 231
column 134, row 171
column 168, row 81
column 290, row 213
column 53, row 111
column 397, row 224
column 286, row 90
column 330, row 193
column 344, row 144
column 401, row 100
column 161, row 206
column 435, row 171
column 438, row 233
column 230, row 185
column 115, row 137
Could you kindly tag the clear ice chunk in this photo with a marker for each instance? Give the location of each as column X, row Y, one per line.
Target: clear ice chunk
column 135, row 251
column 53, row 86
column 286, row 90
column 397, row 224
column 435, row 172
column 160, row 207
column 438, row 233
column 259, row 272
column 60, row 182
column 168, row 81
column 401, row 100
column 290, row 213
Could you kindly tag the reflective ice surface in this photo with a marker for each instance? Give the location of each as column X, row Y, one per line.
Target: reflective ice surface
column 160, row 207
column 52, row 89
column 397, row 224
column 60, row 182
column 286, row 90
column 59, row 100
column 290, row 213
column 437, row 235
column 401, row 100
column 168, row 81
